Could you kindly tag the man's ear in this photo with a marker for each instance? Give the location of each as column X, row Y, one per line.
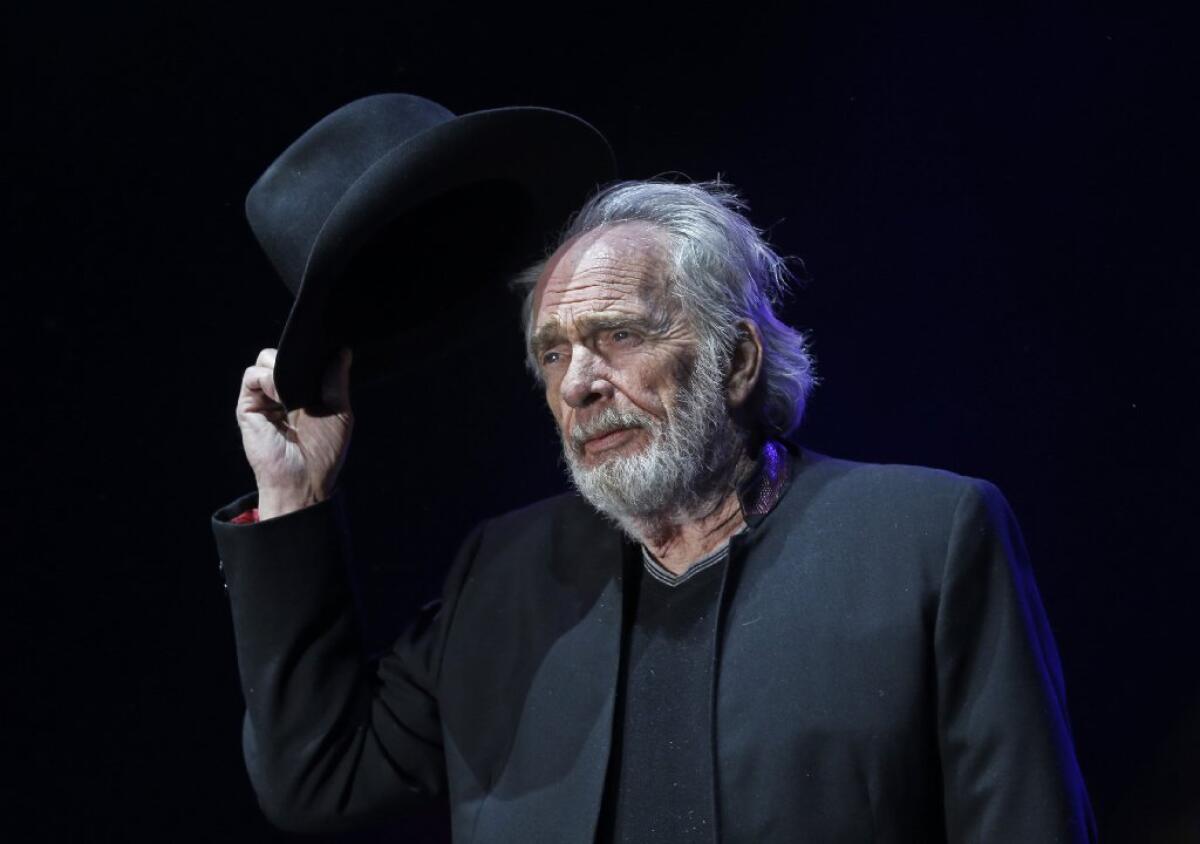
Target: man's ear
column 745, row 365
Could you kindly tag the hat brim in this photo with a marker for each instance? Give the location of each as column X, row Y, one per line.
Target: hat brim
column 547, row 161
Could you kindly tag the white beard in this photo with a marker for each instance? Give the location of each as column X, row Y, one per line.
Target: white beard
column 684, row 471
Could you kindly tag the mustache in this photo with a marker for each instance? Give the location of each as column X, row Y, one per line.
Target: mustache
column 609, row 420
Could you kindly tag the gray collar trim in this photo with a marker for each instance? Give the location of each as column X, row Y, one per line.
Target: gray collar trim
column 665, row 576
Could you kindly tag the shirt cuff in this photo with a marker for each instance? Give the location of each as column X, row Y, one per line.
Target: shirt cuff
column 246, row 517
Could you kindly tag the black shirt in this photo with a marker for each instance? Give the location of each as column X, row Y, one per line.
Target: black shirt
column 660, row 784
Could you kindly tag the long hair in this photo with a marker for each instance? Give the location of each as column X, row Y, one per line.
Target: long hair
column 721, row 272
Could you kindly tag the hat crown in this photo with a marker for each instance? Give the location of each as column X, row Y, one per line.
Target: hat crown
column 376, row 212
column 290, row 202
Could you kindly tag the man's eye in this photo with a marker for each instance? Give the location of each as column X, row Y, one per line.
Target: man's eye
column 550, row 358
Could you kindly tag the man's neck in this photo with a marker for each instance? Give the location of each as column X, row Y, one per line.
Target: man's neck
column 677, row 543
column 677, row 546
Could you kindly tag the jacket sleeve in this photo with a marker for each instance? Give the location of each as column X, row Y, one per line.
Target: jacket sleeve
column 331, row 739
column 1009, row 765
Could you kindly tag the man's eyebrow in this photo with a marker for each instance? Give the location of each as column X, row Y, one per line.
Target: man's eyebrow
column 607, row 322
column 545, row 336
column 552, row 332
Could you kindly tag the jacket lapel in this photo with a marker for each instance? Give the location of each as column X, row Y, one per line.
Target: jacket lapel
column 552, row 781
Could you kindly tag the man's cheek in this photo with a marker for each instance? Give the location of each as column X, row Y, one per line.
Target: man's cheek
column 562, row 417
column 554, row 401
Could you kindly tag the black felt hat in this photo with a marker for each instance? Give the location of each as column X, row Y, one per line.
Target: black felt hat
column 392, row 213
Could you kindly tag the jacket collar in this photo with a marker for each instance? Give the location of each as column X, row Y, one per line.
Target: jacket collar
column 767, row 484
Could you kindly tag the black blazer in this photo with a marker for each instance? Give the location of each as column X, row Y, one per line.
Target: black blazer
column 885, row 672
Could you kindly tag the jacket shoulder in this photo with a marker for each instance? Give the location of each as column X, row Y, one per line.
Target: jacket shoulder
column 897, row 491
column 560, row 530
column 541, row 515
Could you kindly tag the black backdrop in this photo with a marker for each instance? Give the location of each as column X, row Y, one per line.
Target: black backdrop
column 996, row 210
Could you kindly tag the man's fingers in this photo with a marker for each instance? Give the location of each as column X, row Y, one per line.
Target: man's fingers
column 266, row 358
column 259, row 381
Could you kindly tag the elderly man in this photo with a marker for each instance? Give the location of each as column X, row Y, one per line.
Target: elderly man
column 720, row 636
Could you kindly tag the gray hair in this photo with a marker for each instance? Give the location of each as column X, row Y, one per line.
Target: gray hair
column 721, row 272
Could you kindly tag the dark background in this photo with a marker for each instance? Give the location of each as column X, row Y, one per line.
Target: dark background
column 996, row 210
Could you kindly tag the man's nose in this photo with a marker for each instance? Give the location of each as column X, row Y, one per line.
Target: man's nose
column 585, row 381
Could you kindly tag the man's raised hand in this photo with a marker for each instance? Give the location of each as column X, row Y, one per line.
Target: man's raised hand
column 295, row 456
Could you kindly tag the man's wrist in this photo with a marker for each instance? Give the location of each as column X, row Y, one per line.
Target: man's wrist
column 275, row 503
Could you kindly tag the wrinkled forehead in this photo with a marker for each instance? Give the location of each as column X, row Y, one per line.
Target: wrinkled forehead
column 614, row 265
